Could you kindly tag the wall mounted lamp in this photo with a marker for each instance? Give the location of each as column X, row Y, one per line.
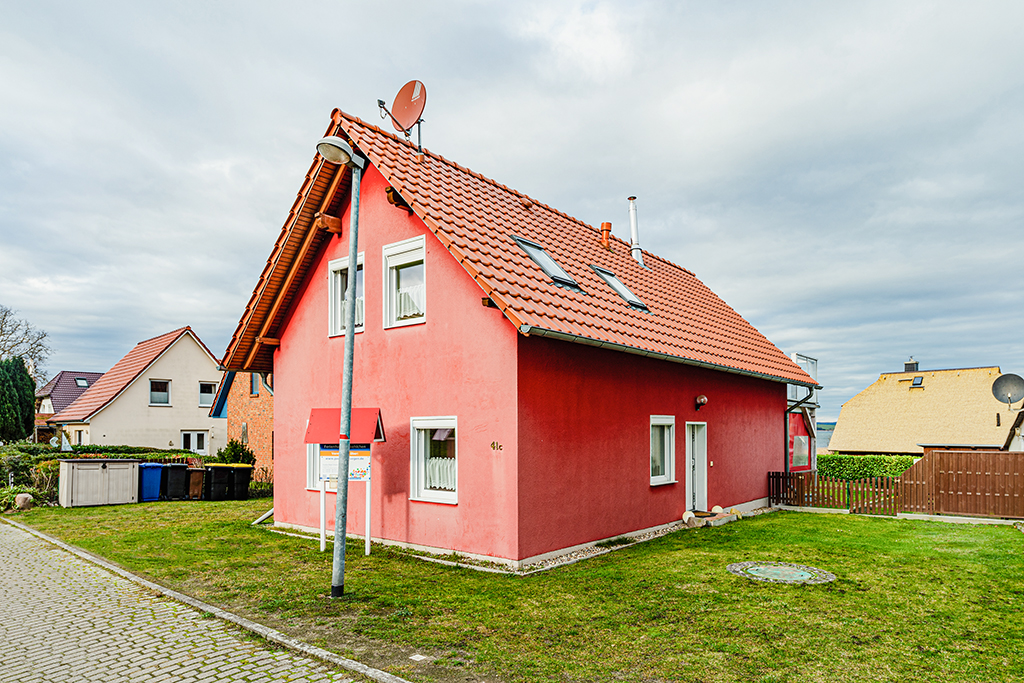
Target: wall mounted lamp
column 701, row 401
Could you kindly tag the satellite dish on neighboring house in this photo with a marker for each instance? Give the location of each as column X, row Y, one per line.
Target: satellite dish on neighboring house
column 407, row 110
column 1009, row 389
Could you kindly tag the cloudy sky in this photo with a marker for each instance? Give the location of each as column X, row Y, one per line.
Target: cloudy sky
column 848, row 176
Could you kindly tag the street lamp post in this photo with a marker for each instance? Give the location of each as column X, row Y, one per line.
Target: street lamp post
column 337, row 151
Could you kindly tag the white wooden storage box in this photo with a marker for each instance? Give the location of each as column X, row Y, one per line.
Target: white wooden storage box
column 98, row 482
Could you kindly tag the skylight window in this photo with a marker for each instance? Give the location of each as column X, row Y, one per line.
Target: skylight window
column 81, row 382
column 620, row 289
column 918, row 382
column 546, row 263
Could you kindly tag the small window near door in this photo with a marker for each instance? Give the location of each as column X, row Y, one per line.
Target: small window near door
column 663, row 449
column 801, row 451
column 207, row 390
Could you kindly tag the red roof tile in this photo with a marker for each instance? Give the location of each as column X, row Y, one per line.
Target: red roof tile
column 475, row 218
column 124, row 372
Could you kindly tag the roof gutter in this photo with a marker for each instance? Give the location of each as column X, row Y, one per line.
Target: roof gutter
column 529, row 330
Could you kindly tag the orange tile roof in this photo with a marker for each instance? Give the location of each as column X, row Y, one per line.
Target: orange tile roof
column 125, row 371
column 475, row 218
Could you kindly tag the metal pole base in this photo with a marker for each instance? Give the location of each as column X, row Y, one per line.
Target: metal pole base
column 337, row 591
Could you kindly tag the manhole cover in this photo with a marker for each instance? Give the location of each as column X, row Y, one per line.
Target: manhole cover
column 780, row 572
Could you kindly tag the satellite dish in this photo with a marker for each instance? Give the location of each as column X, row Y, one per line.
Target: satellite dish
column 407, row 110
column 1008, row 389
column 408, row 106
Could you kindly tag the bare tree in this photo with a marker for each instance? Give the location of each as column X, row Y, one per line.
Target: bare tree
column 19, row 338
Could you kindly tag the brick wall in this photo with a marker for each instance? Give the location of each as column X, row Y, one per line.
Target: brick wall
column 251, row 418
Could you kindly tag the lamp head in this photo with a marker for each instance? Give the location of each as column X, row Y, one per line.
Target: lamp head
column 337, row 151
column 701, row 401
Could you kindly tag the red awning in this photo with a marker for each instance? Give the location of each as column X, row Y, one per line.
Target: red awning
column 325, row 424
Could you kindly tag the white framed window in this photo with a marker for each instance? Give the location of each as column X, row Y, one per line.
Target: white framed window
column 313, row 453
column 405, row 283
column 194, row 441
column 207, row 390
column 434, row 460
column 159, row 392
column 337, row 272
column 663, row 449
column 81, row 382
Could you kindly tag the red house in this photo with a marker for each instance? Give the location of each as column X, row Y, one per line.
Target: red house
column 539, row 387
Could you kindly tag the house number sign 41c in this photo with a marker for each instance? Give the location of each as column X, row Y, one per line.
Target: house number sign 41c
column 495, row 446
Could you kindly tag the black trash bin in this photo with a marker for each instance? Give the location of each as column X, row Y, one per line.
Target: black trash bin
column 174, row 481
column 219, row 482
column 242, row 477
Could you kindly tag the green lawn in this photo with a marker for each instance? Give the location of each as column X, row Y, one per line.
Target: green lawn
column 914, row 601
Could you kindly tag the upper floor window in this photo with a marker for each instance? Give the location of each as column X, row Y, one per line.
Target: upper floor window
column 159, row 392
column 546, row 263
column 207, row 390
column 405, row 283
column 620, row 289
column 338, row 271
column 254, row 384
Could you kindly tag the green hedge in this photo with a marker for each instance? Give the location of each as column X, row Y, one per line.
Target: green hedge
column 850, row 467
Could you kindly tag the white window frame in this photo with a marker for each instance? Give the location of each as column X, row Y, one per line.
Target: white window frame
column 669, row 476
column 313, row 470
column 417, row 460
column 395, row 256
column 170, row 396
column 193, row 433
column 336, row 296
column 213, row 396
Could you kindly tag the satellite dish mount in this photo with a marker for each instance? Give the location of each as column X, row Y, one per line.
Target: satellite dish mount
column 407, row 111
column 1009, row 389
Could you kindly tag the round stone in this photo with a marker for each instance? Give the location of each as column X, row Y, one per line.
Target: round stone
column 780, row 572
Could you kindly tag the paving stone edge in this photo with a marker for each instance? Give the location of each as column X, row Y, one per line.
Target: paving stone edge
column 249, row 625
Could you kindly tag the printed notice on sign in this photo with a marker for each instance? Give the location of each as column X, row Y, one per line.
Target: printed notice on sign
column 328, row 461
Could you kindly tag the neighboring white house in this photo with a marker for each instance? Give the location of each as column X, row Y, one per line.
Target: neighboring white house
column 158, row 395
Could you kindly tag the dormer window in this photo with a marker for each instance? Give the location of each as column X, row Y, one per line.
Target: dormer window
column 620, row 289
column 546, row 263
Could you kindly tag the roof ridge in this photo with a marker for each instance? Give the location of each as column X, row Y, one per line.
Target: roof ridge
column 465, row 169
column 177, row 331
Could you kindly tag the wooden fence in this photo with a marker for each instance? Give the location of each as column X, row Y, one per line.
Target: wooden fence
column 972, row 483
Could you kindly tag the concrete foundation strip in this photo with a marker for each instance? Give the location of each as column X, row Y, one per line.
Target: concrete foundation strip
column 263, row 631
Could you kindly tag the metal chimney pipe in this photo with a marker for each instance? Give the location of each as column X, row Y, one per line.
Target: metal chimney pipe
column 634, row 234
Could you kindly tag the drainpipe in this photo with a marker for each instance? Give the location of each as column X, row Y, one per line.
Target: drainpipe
column 785, row 429
column 634, row 234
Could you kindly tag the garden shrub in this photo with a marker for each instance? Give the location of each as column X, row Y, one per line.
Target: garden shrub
column 8, row 494
column 850, row 467
column 236, row 452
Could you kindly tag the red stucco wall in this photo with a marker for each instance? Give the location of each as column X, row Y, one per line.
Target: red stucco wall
column 461, row 362
column 584, row 440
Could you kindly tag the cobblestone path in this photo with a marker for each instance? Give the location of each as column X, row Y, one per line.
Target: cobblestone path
column 64, row 619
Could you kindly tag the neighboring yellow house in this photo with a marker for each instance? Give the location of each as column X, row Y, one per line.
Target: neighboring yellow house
column 904, row 411
column 159, row 395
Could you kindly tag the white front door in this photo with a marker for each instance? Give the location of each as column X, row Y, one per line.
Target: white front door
column 194, row 441
column 696, row 466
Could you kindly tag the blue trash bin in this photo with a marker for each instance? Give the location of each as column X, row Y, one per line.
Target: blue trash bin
column 149, row 481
